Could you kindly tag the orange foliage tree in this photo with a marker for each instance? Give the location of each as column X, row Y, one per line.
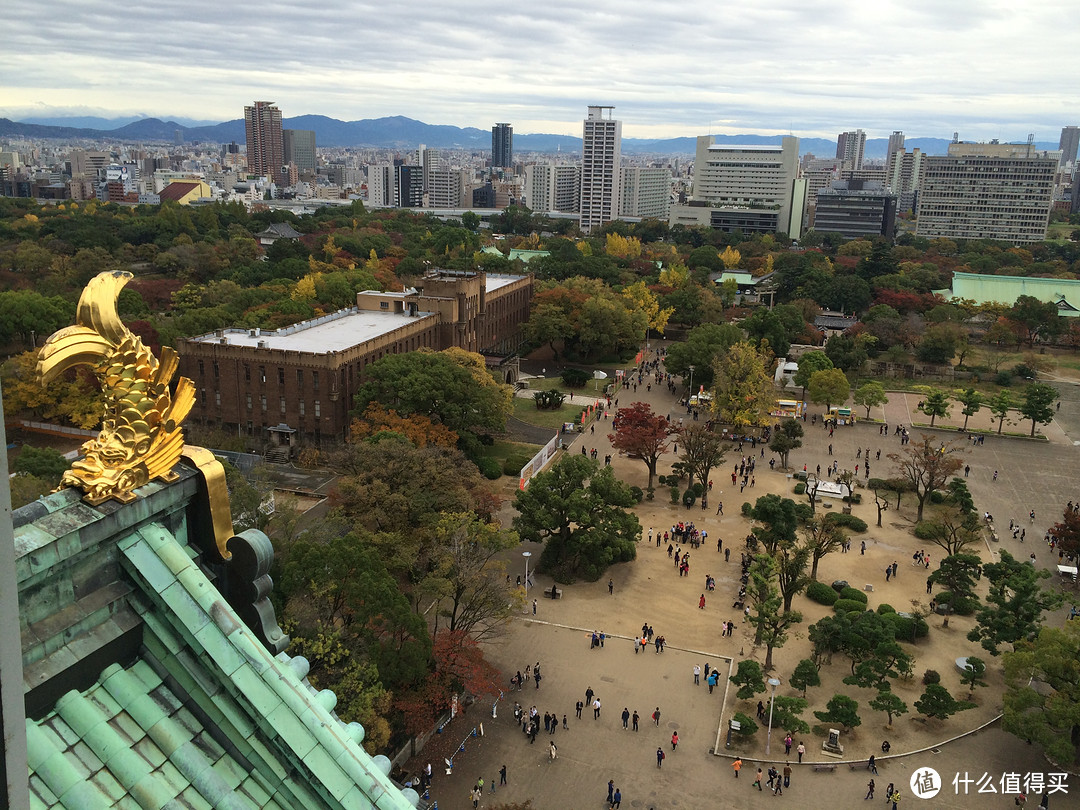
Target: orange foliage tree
column 417, row 428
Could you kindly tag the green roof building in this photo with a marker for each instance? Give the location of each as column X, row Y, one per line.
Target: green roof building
column 984, row 289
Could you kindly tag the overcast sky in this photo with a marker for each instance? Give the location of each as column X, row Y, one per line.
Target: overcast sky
column 985, row 68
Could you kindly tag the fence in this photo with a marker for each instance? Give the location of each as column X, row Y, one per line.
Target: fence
column 539, row 461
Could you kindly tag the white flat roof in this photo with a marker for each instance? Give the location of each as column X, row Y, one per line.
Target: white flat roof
column 756, row 147
column 495, row 282
column 332, row 333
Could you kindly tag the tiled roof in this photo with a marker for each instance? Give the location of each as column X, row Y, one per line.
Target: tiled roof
column 207, row 717
column 177, row 190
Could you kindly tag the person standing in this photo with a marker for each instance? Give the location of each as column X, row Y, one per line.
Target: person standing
column 736, row 766
column 634, row 720
column 534, row 607
column 611, row 587
column 502, row 775
column 701, row 602
column 588, row 695
column 659, row 757
column 625, row 718
column 787, row 744
column 553, row 750
column 869, row 790
column 610, row 791
column 674, row 740
column 697, row 675
column 787, row 774
column 578, row 708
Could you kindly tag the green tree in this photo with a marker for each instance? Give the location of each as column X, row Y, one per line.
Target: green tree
column 935, row 403
column 579, row 509
column 703, row 345
column 889, row 703
column 452, row 387
column 938, row 343
column 471, row 220
column 888, row 660
column 779, row 519
column 765, row 324
column 750, row 679
column 42, row 462
column 771, row 623
column 926, row 467
column 972, row 675
column 1038, row 404
column 972, row 401
column 810, row 363
column 1014, row 606
column 1040, row 319
column 642, row 433
column 846, row 352
column 1042, row 692
column 1000, row 404
column 744, row 394
column 703, row 449
column 870, row 395
column 937, row 702
column 829, row 387
column 805, row 675
column 786, row 713
column 841, row 710
column 786, row 439
column 822, row 536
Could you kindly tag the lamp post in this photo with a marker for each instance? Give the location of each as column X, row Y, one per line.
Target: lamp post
column 526, row 555
column 773, row 682
column 691, row 381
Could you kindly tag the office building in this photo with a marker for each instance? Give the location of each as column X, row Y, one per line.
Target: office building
column 645, row 191
column 856, row 209
column 903, row 174
column 601, row 155
column 409, row 186
column 502, row 146
column 300, row 149
column 553, row 187
column 749, row 188
column 850, row 147
column 1069, row 144
column 446, row 187
column 306, row 376
column 380, row 185
column 265, row 142
column 987, row 191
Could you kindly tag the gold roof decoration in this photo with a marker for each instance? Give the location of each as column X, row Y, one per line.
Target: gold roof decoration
column 141, row 438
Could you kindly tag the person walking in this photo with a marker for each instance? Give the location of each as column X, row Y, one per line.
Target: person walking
column 656, row 716
column 625, row 718
column 787, row 744
column 578, row 709
column 596, row 708
column 895, row 797
column 610, row 587
column 737, row 766
column 534, row 607
column 610, row 791
column 889, row 792
column 588, row 695
column 701, row 602
column 616, row 800
column 871, row 765
column 869, row 790
column 553, row 750
column 660, row 757
column 634, row 720
column 674, row 740
column 757, row 782
column 787, row 774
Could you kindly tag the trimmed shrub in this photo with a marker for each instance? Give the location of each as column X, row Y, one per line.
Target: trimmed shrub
column 747, row 509
column 821, row 593
column 853, row 593
column 960, row 607
column 905, row 627
column 576, row 377
column 674, row 494
column 848, row 606
column 937, row 496
column 855, row 499
column 490, row 468
column 650, row 493
column 1003, row 378
column 689, row 497
column 800, row 488
column 697, row 489
column 856, row 524
column 931, row 676
column 638, row 493
column 883, row 608
column 800, row 476
column 925, row 530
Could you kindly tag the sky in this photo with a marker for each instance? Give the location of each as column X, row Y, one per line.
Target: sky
column 983, row 68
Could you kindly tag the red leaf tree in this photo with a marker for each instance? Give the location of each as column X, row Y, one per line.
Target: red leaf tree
column 640, row 432
column 1067, row 532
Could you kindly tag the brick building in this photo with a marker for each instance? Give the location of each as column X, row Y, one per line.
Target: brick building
column 298, row 382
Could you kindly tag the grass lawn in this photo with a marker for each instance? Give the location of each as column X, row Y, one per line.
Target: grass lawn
column 502, row 450
column 525, row 410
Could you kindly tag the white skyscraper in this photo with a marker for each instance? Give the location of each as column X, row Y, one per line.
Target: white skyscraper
column 601, row 151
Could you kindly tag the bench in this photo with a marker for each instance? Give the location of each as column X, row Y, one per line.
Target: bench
column 824, row 766
column 858, row 766
column 552, row 592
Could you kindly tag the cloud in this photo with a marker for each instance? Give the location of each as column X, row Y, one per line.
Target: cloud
column 983, row 68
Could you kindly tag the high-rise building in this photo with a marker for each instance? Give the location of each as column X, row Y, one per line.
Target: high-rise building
column 850, row 147
column 265, row 142
column 645, row 191
column 409, row 186
column 750, row 188
column 380, row 185
column 300, row 148
column 856, row 209
column 553, row 187
column 903, row 174
column 502, row 146
column 896, row 143
column 987, row 191
column 1069, row 144
column 601, row 154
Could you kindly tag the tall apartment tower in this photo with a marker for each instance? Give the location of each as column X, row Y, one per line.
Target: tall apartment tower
column 553, row 187
column 903, row 174
column 601, row 152
column 1069, row 144
column 265, row 142
column 896, row 144
column 300, row 148
column 850, row 147
column 502, row 146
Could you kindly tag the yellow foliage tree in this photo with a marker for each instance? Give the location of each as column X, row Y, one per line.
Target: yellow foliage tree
column 743, row 393
column 623, row 247
column 305, row 287
column 674, row 275
column 418, row 429
column 730, row 257
column 643, row 300
column 584, row 248
column 765, row 268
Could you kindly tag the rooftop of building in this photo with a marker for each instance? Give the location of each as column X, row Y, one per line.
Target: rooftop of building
column 336, row 332
column 178, row 189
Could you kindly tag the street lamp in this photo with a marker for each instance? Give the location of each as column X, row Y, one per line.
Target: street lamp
column 526, row 555
column 691, row 381
column 773, row 682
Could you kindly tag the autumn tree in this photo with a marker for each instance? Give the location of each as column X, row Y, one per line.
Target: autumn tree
column 870, row 395
column 642, row 433
column 1000, row 404
column 73, row 399
column 702, row 450
column 420, row 430
column 1038, row 404
column 926, row 467
column 1014, row 606
column 1067, row 532
column 744, row 394
column 579, row 511
column 829, row 387
column 646, row 302
column 787, row 438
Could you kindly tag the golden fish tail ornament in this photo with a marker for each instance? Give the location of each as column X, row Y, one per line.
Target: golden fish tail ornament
column 141, row 437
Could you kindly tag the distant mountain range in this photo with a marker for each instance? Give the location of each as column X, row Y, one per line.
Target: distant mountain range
column 399, row 132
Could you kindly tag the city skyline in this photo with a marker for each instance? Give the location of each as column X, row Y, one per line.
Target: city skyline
column 979, row 69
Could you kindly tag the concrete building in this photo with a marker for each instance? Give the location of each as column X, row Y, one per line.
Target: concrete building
column 896, row 144
column 903, row 174
column 601, row 156
column 265, row 142
column 409, row 186
column 502, row 146
column 645, row 192
column 987, row 191
column 1069, row 144
column 850, row 147
column 856, row 209
column 553, row 187
column 299, row 147
column 306, row 376
column 750, row 188
column 446, row 187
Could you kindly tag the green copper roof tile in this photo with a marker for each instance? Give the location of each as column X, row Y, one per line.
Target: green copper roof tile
column 218, row 647
column 191, row 798
column 130, row 693
column 171, row 774
column 202, row 592
column 332, row 777
column 190, row 613
column 230, row 772
column 109, row 786
column 272, row 765
column 58, row 773
column 128, row 726
column 84, row 757
column 128, row 803
column 288, row 726
column 43, row 559
column 255, row 791
column 356, row 798
column 40, row 795
column 255, row 691
column 148, row 566
column 175, row 557
column 145, row 673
